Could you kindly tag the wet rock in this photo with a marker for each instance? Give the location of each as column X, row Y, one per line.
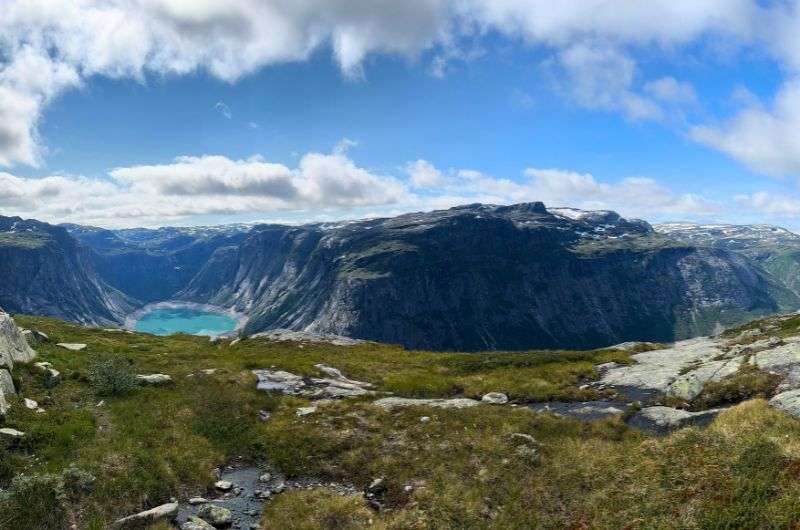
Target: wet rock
column 165, row 512
column 495, row 398
column 72, row 346
column 663, row 420
column 154, row 379
column 223, row 485
column 217, row 516
column 397, row 402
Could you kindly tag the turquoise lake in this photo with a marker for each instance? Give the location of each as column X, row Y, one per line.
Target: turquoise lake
column 167, row 321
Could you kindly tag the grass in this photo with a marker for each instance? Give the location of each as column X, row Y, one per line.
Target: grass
column 462, row 469
column 27, row 240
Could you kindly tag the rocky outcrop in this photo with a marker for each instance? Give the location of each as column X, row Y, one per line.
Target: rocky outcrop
column 336, row 385
column 391, row 403
column 14, row 348
column 45, row 271
column 663, row 420
column 287, row 335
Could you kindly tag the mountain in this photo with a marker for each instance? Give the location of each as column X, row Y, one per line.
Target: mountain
column 153, row 265
column 775, row 249
column 487, row 277
column 45, row 271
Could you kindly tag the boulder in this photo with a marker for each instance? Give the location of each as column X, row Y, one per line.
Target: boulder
column 13, row 346
column 218, row 516
column 165, row 512
column 788, row 402
column 195, row 523
column 305, row 411
column 3, row 405
column 663, row 420
column 391, row 403
column 495, row 398
column 154, row 379
column 30, row 404
column 6, row 383
column 34, row 337
column 72, row 346
column 52, row 377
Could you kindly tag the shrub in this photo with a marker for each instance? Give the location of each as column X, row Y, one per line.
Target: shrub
column 43, row 501
column 112, row 377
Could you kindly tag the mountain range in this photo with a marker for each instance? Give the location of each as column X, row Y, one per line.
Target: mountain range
column 473, row 277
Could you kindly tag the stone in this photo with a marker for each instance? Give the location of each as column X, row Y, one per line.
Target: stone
column 34, row 337
column 52, row 377
column 234, row 342
column 72, row 346
column 165, row 512
column 305, row 411
column 424, row 419
column 216, row 515
column 195, row 523
column 391, row 403
column 663, row 420
column 197, row 500
column 9, row 433
column 788, row 402
column 154, row 379
column 495, row 398
column 223, row 485
column 31, row 404
column 266, row 477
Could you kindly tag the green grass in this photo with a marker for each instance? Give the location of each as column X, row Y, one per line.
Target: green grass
column 462, row 469
column 27, row 240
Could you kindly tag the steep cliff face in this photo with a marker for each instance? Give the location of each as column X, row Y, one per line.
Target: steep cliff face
column 485, row 277
column 152, row 265
column 45, row 271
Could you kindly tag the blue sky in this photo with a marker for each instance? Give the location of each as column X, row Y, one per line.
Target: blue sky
column 690, row 115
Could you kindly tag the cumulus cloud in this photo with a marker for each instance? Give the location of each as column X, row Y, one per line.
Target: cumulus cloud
column 205, row 185
column 764, row 138
column 423, row 174
column 47, row 46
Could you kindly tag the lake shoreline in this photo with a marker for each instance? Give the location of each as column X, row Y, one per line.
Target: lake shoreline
column 132, row 319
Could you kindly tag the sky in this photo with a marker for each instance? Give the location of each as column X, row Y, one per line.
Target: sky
column 122, row 113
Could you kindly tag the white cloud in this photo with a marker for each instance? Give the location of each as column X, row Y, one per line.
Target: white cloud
column 670, row 90
column 423, row 174
column 594, row 41
column 765, row 139
column 205, row 185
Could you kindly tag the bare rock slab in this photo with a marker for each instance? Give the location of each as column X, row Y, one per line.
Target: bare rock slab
column 663, row 420
column 391, row 403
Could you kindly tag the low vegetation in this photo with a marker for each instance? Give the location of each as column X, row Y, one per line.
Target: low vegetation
column 88, row 459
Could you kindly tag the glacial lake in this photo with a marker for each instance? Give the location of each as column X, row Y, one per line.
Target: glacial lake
column 171, row 320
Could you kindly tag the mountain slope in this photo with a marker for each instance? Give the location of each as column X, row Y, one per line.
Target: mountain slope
column 46, row 272
column 487, row 277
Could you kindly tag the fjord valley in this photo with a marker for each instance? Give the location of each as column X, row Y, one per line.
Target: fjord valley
column 474, row 277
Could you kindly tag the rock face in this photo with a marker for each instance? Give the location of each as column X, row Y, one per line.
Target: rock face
column 475, row 277
column 14, row 348
column 46, row 272
column 336, row 385
column 280, row 335
column 564, row 279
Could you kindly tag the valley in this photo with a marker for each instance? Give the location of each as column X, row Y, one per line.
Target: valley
column 470, row 278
